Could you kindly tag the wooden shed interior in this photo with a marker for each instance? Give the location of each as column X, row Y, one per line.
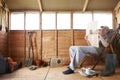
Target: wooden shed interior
column 48, row 43
column 53, row 42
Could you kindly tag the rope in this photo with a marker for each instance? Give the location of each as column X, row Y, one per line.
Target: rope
column 47, row 73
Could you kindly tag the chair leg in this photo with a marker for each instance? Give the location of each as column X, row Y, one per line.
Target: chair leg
column 86, row 57
column 98, row 60
column 82, row 62
column 95, row 64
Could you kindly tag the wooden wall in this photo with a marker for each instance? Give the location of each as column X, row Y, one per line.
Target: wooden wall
column 16, row 43
column 3, row 28
column 117, row 13
column 46, row 44
column 117, row 21
column 3, row 43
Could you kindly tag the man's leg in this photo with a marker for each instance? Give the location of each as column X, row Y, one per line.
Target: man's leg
column 77, row 53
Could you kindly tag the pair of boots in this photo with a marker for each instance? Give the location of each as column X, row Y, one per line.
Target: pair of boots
column 110, row 65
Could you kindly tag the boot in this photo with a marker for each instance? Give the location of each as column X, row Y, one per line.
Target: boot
column 110, row 65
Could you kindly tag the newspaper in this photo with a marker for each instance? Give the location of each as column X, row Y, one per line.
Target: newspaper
column 93, row 39
column 92, row 35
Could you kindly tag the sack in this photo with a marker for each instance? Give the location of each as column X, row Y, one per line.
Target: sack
column 2, row 65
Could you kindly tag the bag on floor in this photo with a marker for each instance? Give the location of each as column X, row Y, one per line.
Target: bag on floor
column 2, row 65
column 110, row 65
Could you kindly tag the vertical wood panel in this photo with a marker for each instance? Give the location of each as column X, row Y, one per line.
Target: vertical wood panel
column 16, row 48
column 48, row 45
column 79, row 38
column 64, row 42
column 4, row 43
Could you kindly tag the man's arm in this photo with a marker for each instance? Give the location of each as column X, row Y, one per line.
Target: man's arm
column 104, row 42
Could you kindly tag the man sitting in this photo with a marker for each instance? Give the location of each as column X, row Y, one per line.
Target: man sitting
column 77, row 53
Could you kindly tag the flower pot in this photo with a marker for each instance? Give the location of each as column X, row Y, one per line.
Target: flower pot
column 38, row 63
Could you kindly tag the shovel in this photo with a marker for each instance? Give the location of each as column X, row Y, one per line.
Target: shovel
column 28, row 59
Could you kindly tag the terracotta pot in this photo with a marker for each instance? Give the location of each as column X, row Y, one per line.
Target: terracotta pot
column 38, row 63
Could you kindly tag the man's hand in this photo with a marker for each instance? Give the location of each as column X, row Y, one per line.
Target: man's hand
column 86, row 38
column 100, row 33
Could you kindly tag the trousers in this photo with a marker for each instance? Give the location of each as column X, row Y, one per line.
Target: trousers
column 77, row 53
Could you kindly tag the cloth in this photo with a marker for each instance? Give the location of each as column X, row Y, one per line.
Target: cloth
column 7, row 65
column 12, row 63
column 33, row 67
column 88, row 72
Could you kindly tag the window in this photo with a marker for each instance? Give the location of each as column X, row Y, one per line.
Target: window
column 81, row 20
column 103, row 19
column 63, row 21
column 32, row 21
column 17, row 21
column 48, row 21
column 59, row 21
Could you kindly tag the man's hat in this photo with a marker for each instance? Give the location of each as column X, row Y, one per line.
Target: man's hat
column 105, row 27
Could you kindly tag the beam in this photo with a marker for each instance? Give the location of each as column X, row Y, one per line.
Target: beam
column 85, row 5
column 40, row 5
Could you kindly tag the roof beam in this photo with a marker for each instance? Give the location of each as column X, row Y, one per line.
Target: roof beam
column 40, row 5
column 85, row 5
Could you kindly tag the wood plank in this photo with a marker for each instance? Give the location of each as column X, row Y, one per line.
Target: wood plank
column 46, row 73
column 49, row 43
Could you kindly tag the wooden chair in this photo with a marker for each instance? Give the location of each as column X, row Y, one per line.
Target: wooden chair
column 102, row 55
column 92, row 56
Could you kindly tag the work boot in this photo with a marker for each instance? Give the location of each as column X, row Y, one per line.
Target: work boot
column 110, row 65
column 68, row 71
